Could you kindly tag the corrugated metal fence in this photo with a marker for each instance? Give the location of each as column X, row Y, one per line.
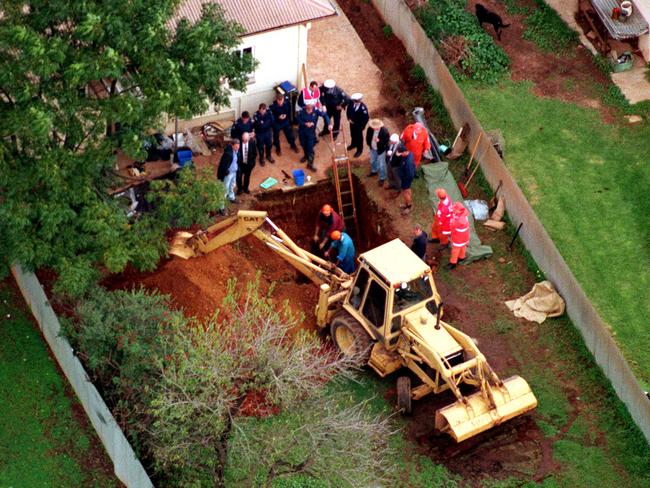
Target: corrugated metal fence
column 583, row 314
column 127, row 467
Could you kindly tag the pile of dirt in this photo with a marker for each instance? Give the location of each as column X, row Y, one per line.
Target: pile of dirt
column 199, row 285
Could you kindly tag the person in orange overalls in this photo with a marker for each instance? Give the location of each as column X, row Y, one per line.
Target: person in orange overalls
column 416, row 139
column 459, row 234
column 441, row 227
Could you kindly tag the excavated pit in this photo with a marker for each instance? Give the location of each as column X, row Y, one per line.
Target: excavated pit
column 199, row 285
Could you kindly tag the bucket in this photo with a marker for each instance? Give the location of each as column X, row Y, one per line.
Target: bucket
column 299, row 177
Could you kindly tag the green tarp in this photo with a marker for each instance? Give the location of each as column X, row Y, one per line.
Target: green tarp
column 438, row 175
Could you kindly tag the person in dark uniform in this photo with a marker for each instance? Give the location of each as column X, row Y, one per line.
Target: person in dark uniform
column 281, row 110
column 307, row 119
column 335, row 100
column 243, row 124
column 357, row 114
column 246, row 158
column 263, row 123
column 419, row 245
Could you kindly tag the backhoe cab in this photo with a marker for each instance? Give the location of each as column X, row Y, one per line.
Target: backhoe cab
column 388, row 314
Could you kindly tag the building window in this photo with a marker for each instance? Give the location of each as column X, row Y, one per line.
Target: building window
column 247, row 56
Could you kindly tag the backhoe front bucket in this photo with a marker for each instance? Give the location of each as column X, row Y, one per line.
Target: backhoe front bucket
column 181, row 247
column 464, row 420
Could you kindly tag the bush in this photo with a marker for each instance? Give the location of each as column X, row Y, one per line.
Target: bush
column 482, row 59
column 388, row 31
column 118, row 336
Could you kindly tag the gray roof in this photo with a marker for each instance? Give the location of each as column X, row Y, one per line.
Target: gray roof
column 258, row 15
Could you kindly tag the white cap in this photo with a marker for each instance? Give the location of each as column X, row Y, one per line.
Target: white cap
column 357, row 96
column 329, row 83
column 310, row 101
column 394, row 138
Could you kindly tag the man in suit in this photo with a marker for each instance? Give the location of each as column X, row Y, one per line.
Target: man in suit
column 334, row 99
column 263, row 124
column 246, row 157
column 281, row 110
column 357, row 114
column 227, row 170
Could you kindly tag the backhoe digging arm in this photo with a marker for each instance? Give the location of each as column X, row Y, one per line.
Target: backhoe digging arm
column 246, row 222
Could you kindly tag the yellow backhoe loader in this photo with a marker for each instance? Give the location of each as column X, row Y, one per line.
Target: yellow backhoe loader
column 389, row 314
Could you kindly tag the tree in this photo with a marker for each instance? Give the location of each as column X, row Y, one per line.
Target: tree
column 246, row 363
column 59, row 132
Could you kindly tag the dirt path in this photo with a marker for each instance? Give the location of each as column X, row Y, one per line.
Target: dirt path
column 572, row 76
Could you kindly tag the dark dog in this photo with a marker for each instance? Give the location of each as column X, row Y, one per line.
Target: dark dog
column 484, row 15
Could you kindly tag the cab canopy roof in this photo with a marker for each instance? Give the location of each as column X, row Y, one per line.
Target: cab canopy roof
column 395, row 262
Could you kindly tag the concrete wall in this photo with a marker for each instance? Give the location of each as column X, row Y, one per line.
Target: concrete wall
column 583, row 314
column 128, row 468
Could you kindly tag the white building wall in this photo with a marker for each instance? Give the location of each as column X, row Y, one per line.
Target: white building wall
column 280, row 54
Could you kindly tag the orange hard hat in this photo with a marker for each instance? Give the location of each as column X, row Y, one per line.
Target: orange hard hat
column 335, row 235
column 441, row 193
column 458, row 208
column 326, row 210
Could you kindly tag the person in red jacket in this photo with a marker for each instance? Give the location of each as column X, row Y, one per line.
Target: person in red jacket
column 459, row 234
column 441, row 227
column 327, row 222
column 416, row 139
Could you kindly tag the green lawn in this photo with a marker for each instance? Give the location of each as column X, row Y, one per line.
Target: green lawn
column 41, row 443
column 588, row 183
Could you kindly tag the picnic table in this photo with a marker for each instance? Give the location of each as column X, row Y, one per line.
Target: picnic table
column 152, row 170
column 635, row 26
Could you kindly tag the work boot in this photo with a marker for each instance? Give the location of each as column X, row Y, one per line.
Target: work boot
column 303, row 159
column 350, row 147
column 269, row 156
column 295, row 149
column 262, row 163
column 450, row 266
column 310, row 164
column 372, row 173
column 324, row 132
column 278, row 151
column 357, row 154
column 434, row 240
column 380, row 183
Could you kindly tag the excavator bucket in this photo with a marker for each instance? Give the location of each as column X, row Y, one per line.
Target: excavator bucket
column 463, row 420
column 181, row 247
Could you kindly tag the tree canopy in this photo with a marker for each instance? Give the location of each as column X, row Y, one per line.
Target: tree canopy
column 58, row 136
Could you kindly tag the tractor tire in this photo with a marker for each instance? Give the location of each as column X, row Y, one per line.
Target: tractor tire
column 404, row 394
column 350, row 337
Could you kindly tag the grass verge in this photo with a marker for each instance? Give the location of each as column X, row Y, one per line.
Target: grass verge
column 587, row 182
column 41, row 442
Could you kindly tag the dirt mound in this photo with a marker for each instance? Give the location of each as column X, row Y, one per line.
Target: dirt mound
column 198, row 286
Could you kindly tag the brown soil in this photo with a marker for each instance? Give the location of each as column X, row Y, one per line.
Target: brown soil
column 572, row 76
column 399, row 88
column 198, row 286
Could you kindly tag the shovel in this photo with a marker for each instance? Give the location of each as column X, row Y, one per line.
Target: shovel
column 469, row 164
column 493, row 201
column 463, row 187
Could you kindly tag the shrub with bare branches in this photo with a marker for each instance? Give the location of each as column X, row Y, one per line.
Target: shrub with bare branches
column 219, row 378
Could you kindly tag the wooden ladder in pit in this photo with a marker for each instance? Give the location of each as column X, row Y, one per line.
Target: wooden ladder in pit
column 342, row 174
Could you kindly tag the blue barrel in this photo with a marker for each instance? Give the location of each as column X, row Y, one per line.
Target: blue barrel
column 299, row 177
